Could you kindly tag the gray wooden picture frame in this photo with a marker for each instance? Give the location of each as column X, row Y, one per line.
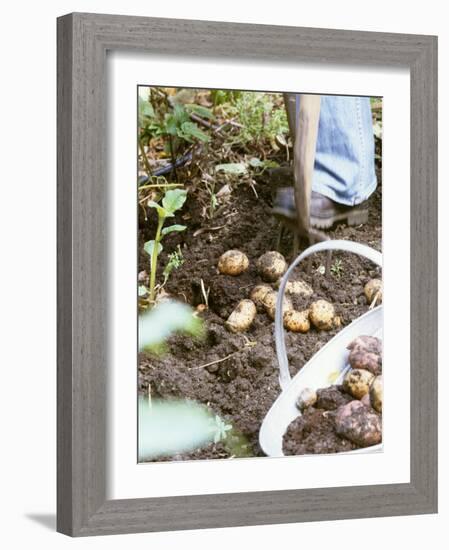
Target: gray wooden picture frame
column 83, row 40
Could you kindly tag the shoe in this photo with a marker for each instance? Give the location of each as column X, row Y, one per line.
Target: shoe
column 324, row 212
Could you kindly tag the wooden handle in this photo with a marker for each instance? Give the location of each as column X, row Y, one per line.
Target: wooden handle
column 304, row 157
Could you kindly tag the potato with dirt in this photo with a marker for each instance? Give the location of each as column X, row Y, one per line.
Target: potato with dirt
column 376, row 393
column 271, row 266
column 357, row 382
column 321, row 314
column 258, row 294
column 242, row 317
column 233, row 262
column 359, row 424
column 297, row 288
column 373, row 291
column 297, row 321
column 307, row 398
column 270, row 303
column 366, row 353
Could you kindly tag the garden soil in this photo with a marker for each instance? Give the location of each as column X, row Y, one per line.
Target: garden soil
column 236, row 375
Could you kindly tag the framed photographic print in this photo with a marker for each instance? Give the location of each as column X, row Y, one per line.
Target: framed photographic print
column 247, row 249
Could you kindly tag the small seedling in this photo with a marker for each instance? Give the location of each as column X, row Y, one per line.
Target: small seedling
column 172, row 201
column 175, row 260
column 337, row 268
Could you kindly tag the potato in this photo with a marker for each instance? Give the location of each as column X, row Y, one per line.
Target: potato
column 297, row 321
column 359, row 424
column 359, row 359
column 242, row 317
column 336, row 322
column 298, row 288
column 322, row 314
column 372, row 288
column 307, row 398
column 271, row 266
column 367, row 343
column 357, row 382
column 366, row 354
column 233, row 262
column 376, row 393
column 258, row 294
column 269, row 303
column 366, row 400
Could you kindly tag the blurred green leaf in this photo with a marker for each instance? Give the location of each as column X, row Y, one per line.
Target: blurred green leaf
column 142, row 291
column 172, row 426
column 156, row 325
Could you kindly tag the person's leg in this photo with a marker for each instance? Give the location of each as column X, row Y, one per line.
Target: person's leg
column 344, row 174
column 344, row 161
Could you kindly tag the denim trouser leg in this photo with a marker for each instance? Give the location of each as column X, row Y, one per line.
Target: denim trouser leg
column 344, row 161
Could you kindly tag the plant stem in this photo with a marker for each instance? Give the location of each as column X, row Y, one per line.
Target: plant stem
column 156, row 185
column 154, row 256
column 145, row 159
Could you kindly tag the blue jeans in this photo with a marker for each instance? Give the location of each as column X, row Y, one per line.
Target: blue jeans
column 344, row 161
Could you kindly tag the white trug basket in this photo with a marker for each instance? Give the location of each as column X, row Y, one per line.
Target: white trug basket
column 328, row 366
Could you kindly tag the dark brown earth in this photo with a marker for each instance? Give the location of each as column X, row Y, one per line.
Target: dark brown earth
column 315, row 431
column 243, row 384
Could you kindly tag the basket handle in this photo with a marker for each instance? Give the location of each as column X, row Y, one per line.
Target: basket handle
column 279, row 335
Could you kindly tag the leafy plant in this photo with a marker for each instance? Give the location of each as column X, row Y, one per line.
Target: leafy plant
column 172, row 201
column 224, row 96
column 337, row 268
column 175, row 123
column 175, row 261
column 260, row 118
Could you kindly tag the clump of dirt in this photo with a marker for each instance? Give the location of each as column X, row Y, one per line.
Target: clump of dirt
column 236, row 375
column 314, row 433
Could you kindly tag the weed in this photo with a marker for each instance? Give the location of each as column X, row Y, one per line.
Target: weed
column 175, row 261
column 337, row 268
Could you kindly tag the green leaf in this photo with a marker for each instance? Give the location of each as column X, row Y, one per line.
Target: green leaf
column 160, row 210
column 180, row 114
column 190, row 130
column 171, row 125
column 172, row 228
column 173, row 200
column 257, row 163
column 233, row 168
column 146, row 111
column 149, row 247
column 201, row 111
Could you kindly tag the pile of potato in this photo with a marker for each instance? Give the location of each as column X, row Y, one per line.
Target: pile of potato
column 263, row 297
column 358, row 413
